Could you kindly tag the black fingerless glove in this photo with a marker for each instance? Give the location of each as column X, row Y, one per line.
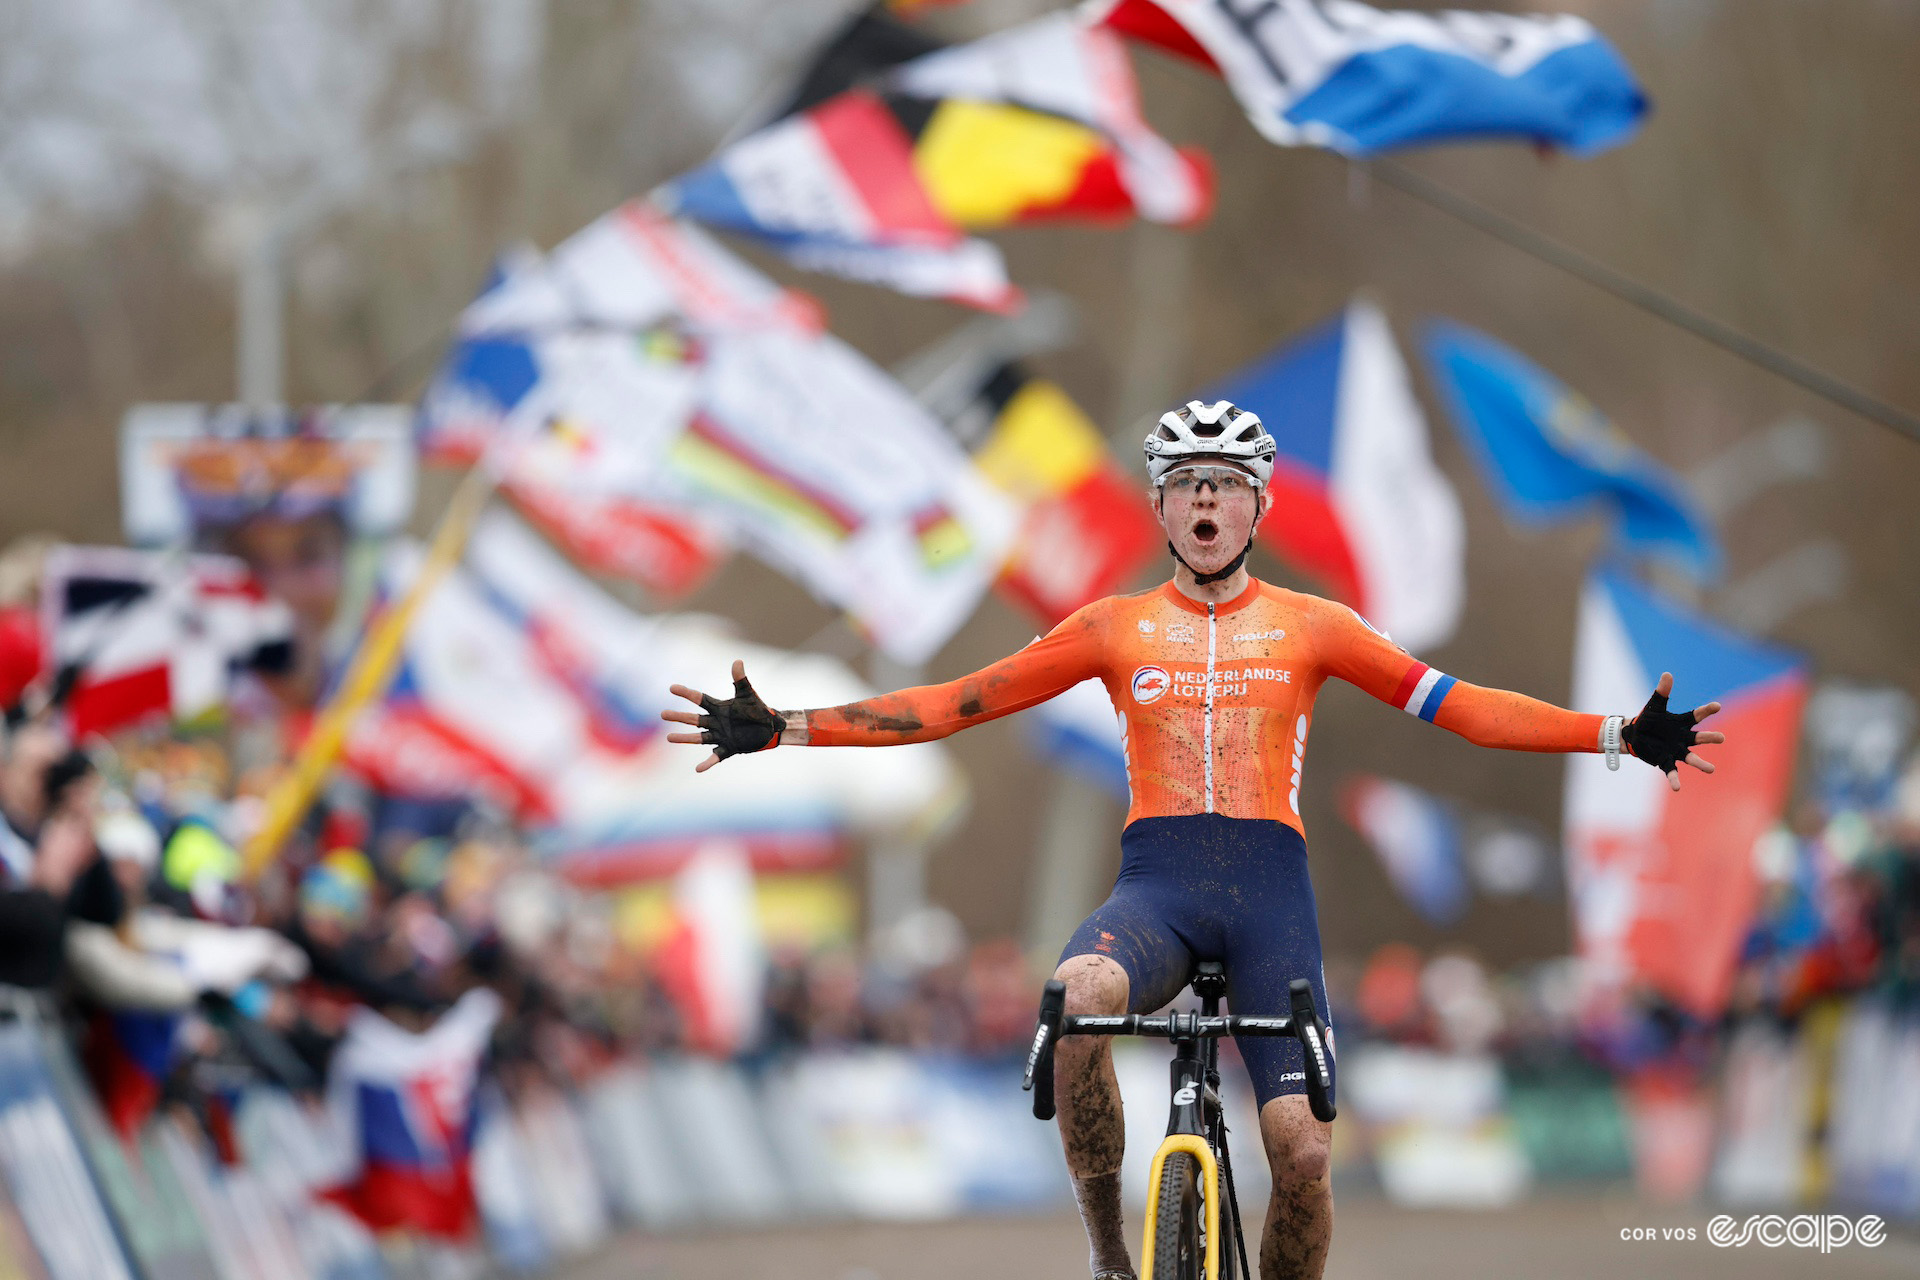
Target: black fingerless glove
column 1660, row 737
column 741, row 724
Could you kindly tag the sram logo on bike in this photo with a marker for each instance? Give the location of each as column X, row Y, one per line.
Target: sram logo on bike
column 1150, row 684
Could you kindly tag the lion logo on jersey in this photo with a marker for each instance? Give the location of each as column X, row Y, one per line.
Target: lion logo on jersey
column 1150, row 684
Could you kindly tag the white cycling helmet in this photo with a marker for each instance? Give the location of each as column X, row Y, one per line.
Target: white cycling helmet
column 1218, row 430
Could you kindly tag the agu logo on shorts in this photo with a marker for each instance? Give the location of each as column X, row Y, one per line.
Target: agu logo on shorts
column 1150, row 684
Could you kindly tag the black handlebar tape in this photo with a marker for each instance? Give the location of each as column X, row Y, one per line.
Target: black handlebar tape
column 1053, row 1007
column 1316, row 1051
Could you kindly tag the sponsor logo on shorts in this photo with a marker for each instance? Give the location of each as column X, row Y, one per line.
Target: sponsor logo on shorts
column 1150, row 684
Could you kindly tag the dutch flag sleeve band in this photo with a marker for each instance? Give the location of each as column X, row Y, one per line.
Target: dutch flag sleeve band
column 1422, row 690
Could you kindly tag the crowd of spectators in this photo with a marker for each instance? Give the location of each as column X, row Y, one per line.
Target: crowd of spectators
column 122, row 893
column 1838, row 918
column 124, row 896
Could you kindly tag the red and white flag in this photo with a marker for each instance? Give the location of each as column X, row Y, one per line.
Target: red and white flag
column 145, row 634
column 1663, row 883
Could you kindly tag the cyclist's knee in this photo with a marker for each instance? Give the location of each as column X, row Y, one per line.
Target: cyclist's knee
column 1096, row 985
column 1299, row 1147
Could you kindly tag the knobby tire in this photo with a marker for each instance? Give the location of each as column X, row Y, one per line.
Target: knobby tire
column 1178, row 1250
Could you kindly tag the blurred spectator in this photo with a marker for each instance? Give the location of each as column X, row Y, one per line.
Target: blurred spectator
column 22, row 652
column 46, row 848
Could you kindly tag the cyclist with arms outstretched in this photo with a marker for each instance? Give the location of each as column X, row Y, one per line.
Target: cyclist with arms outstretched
column 1214, row 676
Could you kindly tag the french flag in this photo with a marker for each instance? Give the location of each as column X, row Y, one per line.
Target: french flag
column 1359, row 504
column 405, row 1104
column 1663, row 882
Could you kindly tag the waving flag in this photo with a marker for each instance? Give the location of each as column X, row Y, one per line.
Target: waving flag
column 406, row 1103
column 881, row 180
column 585, row 358
column 834, row 189
column 831, row 472
column 711, row 961
column 868, row 43
column 1548, row 454
column 1079, row 730
column 706, row 434
column 630, row 269
column 1085, row 526
column 1043, row 121
column 525, row 682
column 142, row 634
column 1663, row 883
column 1360, row 504
column 1417, row 838
column 1338, row 74
column 579, row 416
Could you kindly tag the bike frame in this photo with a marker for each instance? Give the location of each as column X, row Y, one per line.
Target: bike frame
column 1197, row 1123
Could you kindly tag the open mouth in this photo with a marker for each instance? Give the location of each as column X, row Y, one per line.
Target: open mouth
column 1205, row 532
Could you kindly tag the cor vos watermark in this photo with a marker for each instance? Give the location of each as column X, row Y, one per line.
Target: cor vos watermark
column 1823, row 1231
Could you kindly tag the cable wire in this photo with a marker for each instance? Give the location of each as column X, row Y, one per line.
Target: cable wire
column 1647, row 298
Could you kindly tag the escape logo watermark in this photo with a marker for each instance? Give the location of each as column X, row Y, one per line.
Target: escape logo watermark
column 1823, row 1231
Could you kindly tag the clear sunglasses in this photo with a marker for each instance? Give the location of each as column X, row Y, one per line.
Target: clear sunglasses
column 1226, row 481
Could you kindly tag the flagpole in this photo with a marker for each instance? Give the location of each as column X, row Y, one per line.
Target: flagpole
column 368, row 676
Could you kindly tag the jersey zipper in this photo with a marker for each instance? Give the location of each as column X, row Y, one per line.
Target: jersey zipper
column 1206, row 731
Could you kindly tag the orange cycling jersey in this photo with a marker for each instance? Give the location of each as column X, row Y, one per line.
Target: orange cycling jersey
column 1215, row 701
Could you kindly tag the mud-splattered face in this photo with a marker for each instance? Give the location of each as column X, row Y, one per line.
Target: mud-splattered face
column 1209, row 511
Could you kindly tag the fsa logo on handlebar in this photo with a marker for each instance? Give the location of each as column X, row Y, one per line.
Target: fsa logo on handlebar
column 1186, row 1096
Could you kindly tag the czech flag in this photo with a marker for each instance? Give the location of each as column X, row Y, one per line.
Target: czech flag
column 406, row 1103
column 1359, row 504
column 1663, row 882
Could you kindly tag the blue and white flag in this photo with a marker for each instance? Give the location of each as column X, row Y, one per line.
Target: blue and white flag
column 1549, row 455
column 1081, row 732
column 1360, row 80
column 1417, row 838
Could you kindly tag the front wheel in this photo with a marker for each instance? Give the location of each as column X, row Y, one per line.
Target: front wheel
column 1179, row 1246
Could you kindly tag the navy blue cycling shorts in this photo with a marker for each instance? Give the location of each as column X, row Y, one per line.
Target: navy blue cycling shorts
column 1207, row 887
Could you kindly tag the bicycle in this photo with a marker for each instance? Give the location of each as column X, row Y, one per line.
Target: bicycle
column 1183, row 1235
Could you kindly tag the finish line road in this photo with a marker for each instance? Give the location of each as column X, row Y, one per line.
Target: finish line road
column 1564, row 1239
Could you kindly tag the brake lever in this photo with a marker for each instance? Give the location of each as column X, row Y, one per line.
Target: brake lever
column 1318, row 1052
column 1039, row 1076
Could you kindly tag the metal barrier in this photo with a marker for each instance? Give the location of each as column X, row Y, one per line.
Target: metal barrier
column 681, row 1142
